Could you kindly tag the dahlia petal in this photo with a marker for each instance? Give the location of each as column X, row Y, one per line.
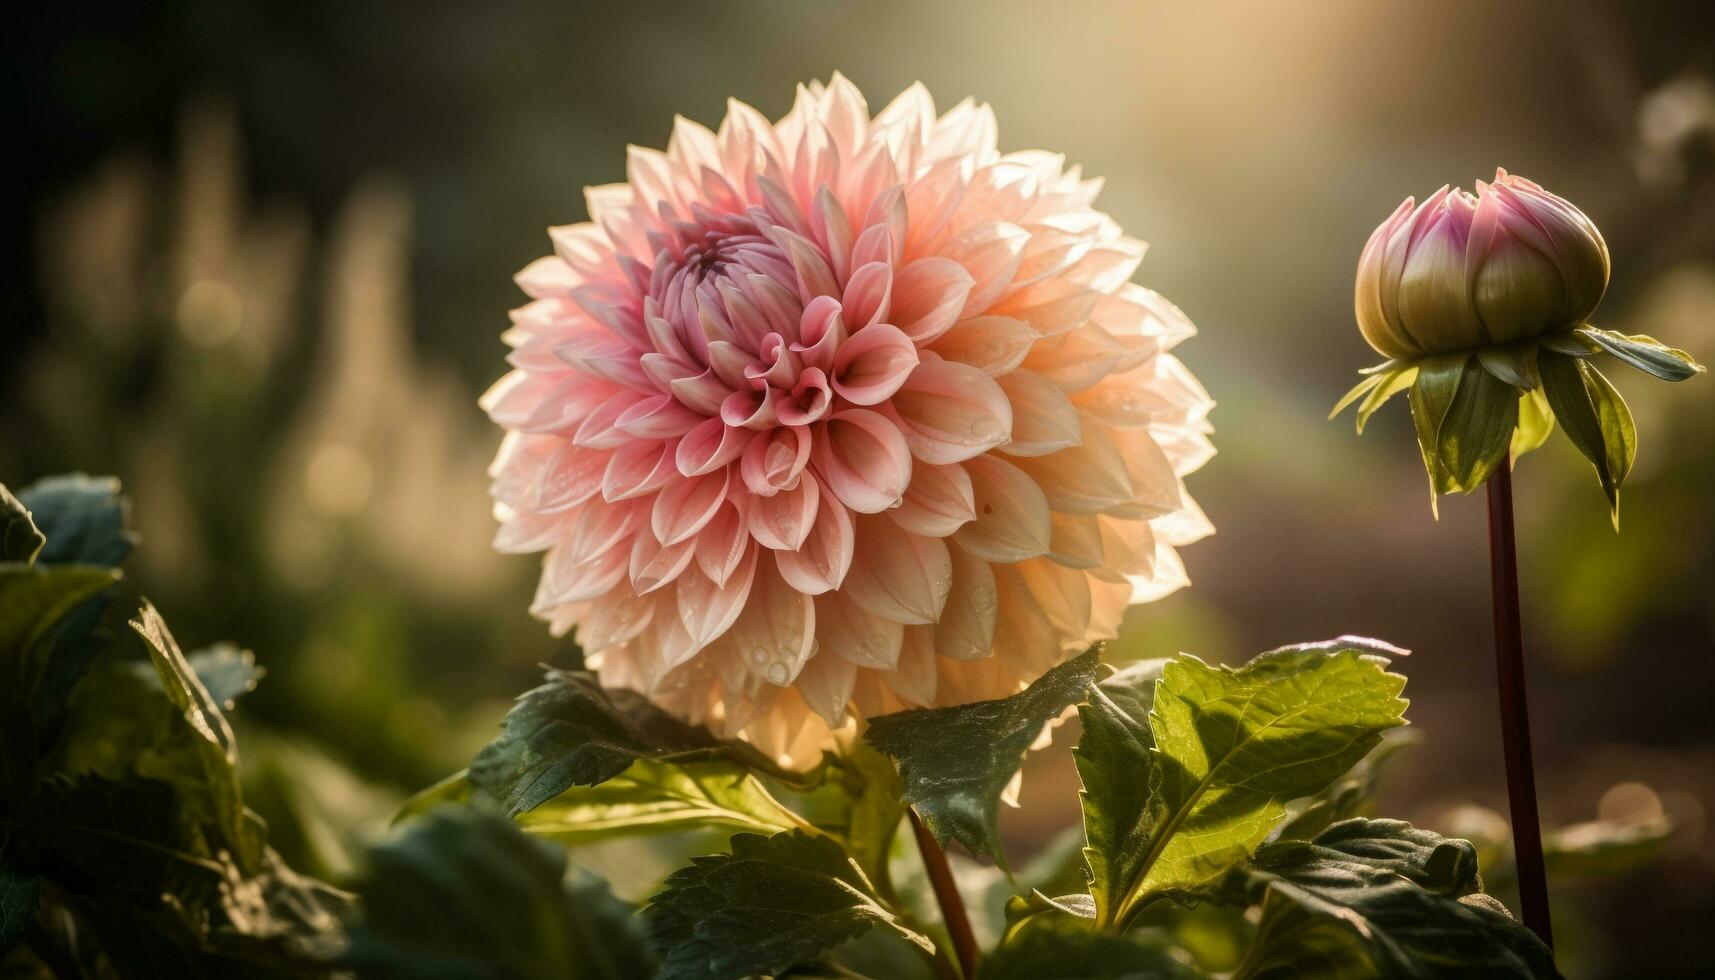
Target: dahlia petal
column 844, row 630
column 775, row 630
column 773, row 462
column 598, row 527
column 571, row 476
column 751, row 408
column 569, row 578
column 966, row 628
column 1044, row 420
column 521, row 534
column 825, row 684
column 873, row 364
column 710, row 445
column 635, row 469
column 546, row 277
column 822, row 331
column 723, row 544
column 824, row 559
column 615, row 618
column 868, row 295
column 1061, row 594
column 949, row 412
column 1026, row 641
column 1128, row 546
column 833, row 233
column 600, row 430
column 913, row 677
column 927, row 297
column 1166, row 576
column 864, row 460
column 708, row 608
column 654, row 565
column 938, row 502
column 1076, row 540
column 993, row 345
column 808, row 400
column 685, row 507
column 701, row 393
column 1089, row 478
column 1012, row 522
column 783, row 520
column 897, row 575
column 991, row 253
column 814, row 276
column 657, row 417
column 1120, row 401
column 1149, row 471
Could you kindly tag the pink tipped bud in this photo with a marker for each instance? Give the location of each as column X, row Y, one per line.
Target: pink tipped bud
column 1463, row 271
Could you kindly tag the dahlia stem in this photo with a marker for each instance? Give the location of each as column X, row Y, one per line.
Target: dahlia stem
column 947, row 896
column 1515, row 716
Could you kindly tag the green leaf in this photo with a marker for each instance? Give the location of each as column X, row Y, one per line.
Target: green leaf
column 1381, row 383
column 1535, row 423
column 1065, row 947
column 955, row 762
column 573, row 732
column 210, row 740
column 1476, row 431
column 876, row 805
column 83, row 519
column 462, row 893
column 1594, row 417
column 1174, row 798
column 1603, row 848
column 19, row 539
column 1514, row 364
column 1379, row 898
column 1647, row 354
column 773, row 903
column 1432, row 394
column 20, row 894
column 657, row 797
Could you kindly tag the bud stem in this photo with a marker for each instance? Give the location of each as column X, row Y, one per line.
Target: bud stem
column 1515, row 718
column 947, row 896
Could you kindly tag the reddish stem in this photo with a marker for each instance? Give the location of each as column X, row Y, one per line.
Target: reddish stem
column 947, row 896
column 1515, row 716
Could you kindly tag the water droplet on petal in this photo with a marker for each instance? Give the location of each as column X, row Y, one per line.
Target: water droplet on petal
column 758, row 656
column 777, row 673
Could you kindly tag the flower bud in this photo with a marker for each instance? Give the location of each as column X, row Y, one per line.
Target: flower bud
column 1464, row 271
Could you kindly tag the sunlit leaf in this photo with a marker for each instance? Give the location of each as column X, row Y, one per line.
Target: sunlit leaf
column 656, row 797
column 773, row 903
column 1535, row 423
column 20, row 541
column 1174, row 798
column 956, row 761
column 1647, row 354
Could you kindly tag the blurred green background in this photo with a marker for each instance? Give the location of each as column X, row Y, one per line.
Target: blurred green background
column 259, row 258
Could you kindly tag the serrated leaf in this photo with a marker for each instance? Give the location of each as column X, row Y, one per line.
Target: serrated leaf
column 1379, row 898
column 1535, row 423
column 83, row 519
column 1647, row 354
column 956, row 761
column 1065, row 947
column 1594, row 417
column 1176, row 798
column 20, row 541
column 1475, row 432
column 211, row 741
column 773, row 903
column 1514, row 364
column 657, row 797
column 464, row 894
column 571, row 731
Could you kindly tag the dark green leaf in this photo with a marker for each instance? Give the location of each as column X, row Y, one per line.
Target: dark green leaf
column 20, row 894
column 1604, row 847
column 773, row 903
column 464, row 894
column 955, row 762
column 1057, row 946
column 1647, row 354
column 1174, row 798
column 1514, row 364
column 573, row 732
column 83, row 519
column 19, row 539
column 1567, row 342
column 1476, row 430
column 1594, row 417
column 210, row 739
column 1379, row 898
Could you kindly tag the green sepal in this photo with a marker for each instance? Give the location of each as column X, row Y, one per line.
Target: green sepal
column 1513, row 363
column 1383, row 382
column 1535, row 423
column 1567, row 342
column 1464, row 416
column 1647, row 354
column 1595, row 418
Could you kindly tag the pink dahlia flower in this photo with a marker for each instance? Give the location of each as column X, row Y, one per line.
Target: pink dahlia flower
column 834, row 416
